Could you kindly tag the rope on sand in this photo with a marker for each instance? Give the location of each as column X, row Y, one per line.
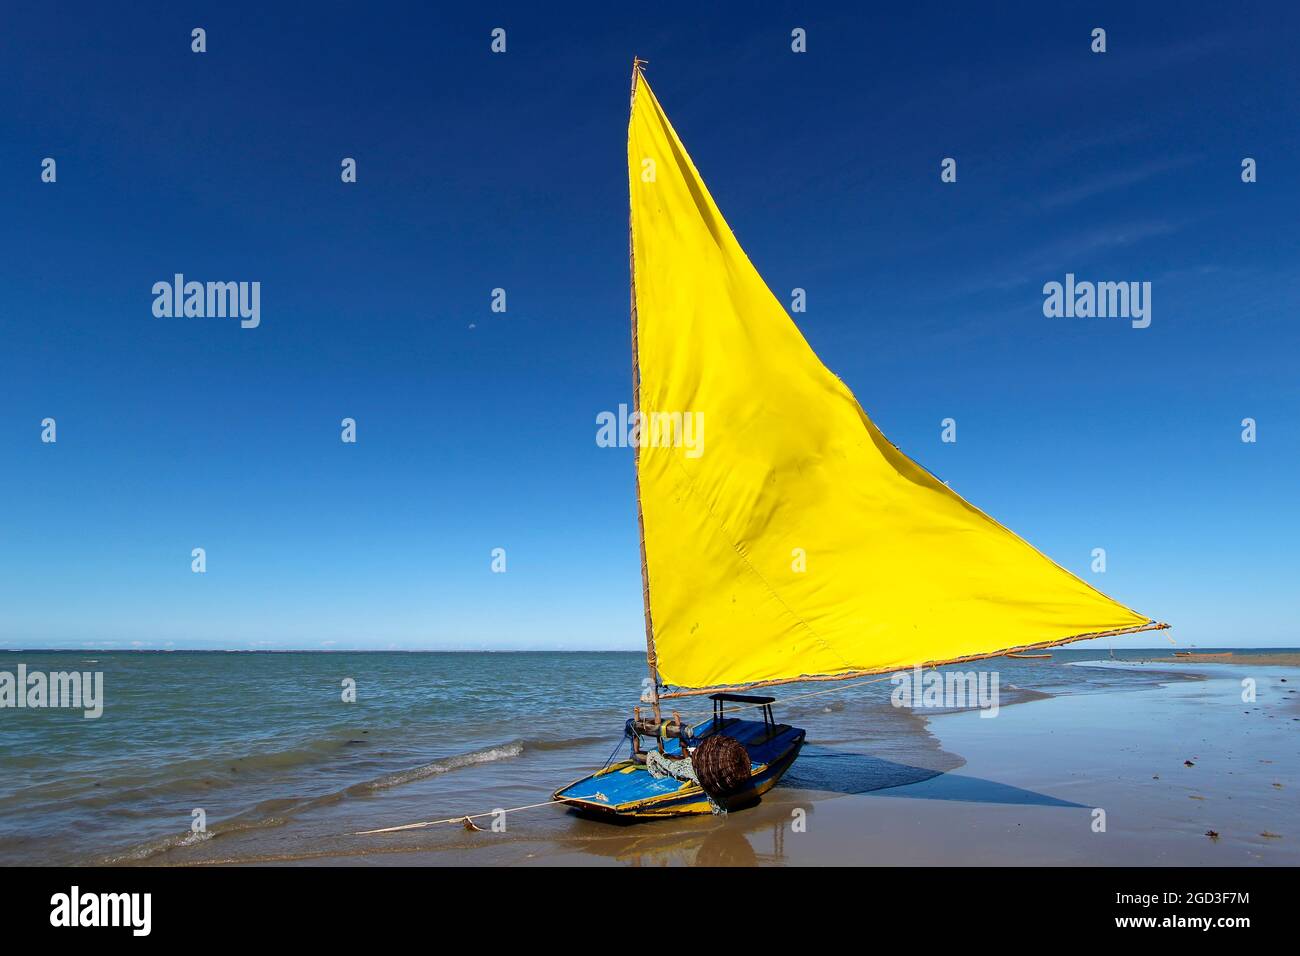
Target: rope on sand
column 466, row 821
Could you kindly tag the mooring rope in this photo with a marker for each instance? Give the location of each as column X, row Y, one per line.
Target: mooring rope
column 467, row 819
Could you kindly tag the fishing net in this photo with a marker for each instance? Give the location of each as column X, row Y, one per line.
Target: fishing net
column 661, row 766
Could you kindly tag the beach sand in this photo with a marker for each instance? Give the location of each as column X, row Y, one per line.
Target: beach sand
column 1025, row 790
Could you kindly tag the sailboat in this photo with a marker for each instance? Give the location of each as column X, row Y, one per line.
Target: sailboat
column 797, row 543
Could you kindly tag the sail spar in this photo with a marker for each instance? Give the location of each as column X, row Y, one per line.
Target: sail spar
column 785, row 538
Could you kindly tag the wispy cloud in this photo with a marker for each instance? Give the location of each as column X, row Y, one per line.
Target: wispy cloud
column 1109, row 182
column 1070, row 251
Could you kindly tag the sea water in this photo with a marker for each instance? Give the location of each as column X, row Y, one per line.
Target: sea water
column 243, row 757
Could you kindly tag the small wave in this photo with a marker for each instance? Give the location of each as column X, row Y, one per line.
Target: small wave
column 442, row 765
column 143, row 851
column 567, row 743
column 505, row 751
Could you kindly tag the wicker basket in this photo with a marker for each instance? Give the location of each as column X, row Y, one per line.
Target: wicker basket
column 721, row 764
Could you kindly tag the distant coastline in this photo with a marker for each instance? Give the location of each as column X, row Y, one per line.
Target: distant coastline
column 1282, row 657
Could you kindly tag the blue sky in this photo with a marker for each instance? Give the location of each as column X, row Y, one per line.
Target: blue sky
column 477, row 430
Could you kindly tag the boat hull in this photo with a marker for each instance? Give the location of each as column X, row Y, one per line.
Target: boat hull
column 626, row 790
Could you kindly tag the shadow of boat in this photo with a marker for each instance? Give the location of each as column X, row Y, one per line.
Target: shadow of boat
column 828, row 770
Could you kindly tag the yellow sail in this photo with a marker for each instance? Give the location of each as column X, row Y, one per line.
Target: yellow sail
column 784, row 536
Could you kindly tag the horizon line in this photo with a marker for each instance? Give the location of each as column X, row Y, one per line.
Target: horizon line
column 513, row 650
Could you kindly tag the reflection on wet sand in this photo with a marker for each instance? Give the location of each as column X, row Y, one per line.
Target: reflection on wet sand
column 748, row 838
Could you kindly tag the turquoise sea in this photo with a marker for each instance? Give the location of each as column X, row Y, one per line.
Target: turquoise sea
column 265, row 751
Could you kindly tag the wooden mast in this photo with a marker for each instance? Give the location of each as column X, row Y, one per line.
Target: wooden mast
column 652, row 661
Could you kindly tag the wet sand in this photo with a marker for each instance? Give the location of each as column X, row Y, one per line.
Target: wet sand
column 1026, row 789
column 1036, row 774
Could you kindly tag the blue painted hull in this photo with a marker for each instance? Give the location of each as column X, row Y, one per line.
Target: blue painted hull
column 626, row 790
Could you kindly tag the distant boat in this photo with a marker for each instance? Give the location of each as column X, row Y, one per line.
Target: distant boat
column 796, row 544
